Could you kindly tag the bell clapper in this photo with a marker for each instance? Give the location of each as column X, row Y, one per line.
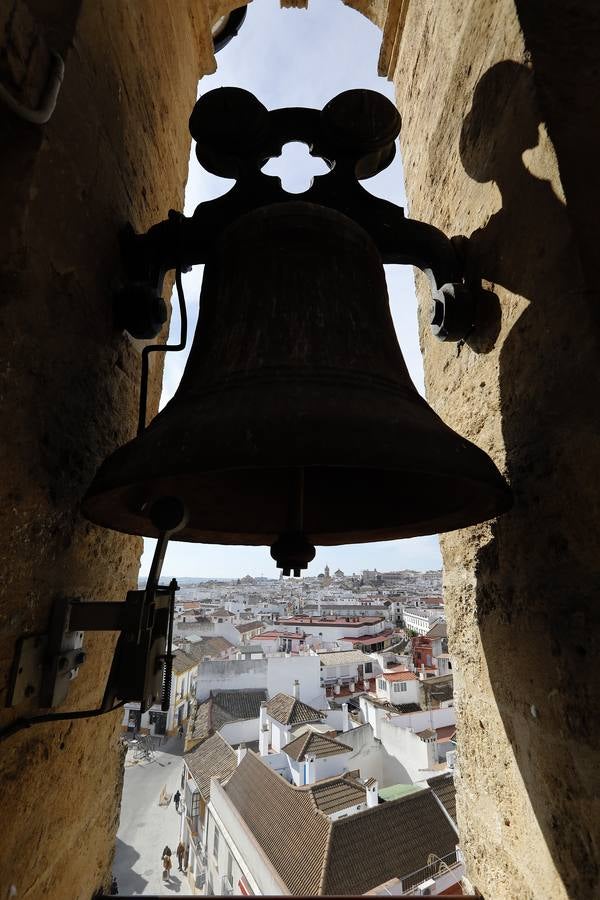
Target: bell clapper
column 292, row 551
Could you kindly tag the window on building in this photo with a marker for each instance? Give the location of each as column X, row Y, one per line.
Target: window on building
column 216, row 843
column 399, row 686
column 381, row 684
column 368, row 667
column 230, row 867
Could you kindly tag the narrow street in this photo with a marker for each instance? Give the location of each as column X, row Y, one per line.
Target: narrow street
column 145, row 826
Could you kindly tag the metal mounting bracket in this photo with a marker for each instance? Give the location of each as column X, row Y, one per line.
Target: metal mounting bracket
column 45, row 664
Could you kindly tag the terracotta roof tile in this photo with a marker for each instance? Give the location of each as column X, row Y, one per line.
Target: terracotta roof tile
column 208, row 646
column 426, row 735
column 400, row 835
column 236, row 705
column 312, row 742
column 221, row 611
column 445, row 791
column 315, row 855
column 212, row 758
column 332, row 796
column 183, row 662
column 285, row 821
column 439, row 630
column 289, row 711
column 222, row 707
column 243, row 627
column 399, row 676
column 366, row 639
column 446, row 733
column 199, row 725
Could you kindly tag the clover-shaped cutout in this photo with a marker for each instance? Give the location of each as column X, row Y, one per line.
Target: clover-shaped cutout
column 295, row 167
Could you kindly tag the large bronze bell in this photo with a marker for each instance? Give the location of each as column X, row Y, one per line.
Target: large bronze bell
column 296, row 415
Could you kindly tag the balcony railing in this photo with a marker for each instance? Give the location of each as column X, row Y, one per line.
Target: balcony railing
column 439, row 866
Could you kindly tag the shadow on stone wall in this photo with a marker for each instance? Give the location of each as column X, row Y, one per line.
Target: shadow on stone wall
column 538, row 579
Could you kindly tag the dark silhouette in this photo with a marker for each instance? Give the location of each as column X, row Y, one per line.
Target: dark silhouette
column 167, row 864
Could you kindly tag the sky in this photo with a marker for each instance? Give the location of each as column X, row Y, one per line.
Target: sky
column 297, row 57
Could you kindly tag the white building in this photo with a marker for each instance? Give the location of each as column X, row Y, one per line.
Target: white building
column 419, row 740
column 421, row 620
column 234, row 714
column 313, row 757
column 280, row 715
column 248, row 630
column 214, row 758
column 274, row 674
column 398, row 687
column 367, row 633
column 274, row 642
column 347, row 667
column 183, row 690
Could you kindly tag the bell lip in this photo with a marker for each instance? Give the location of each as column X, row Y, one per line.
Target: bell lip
column 499, row 501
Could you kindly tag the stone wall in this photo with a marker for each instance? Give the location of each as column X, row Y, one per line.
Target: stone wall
column 497, row 100
column 115, row 151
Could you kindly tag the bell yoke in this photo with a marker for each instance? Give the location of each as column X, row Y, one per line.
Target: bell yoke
column 296, row 422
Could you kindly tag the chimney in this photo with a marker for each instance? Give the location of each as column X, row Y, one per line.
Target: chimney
column 263, row 715
column 345, row 717
column 263, row 741
column 372, row 789
column 309, row 768
column 241, row 752
column 296, row 689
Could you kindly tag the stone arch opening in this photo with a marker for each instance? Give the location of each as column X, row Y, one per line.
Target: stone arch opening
column 118, row 129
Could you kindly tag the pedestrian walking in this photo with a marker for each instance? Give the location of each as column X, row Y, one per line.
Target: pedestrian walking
column 114, row 887
column 180, row 853
column 166, row 852
column 176, row 800
column 166, row 866
column 180, row 731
